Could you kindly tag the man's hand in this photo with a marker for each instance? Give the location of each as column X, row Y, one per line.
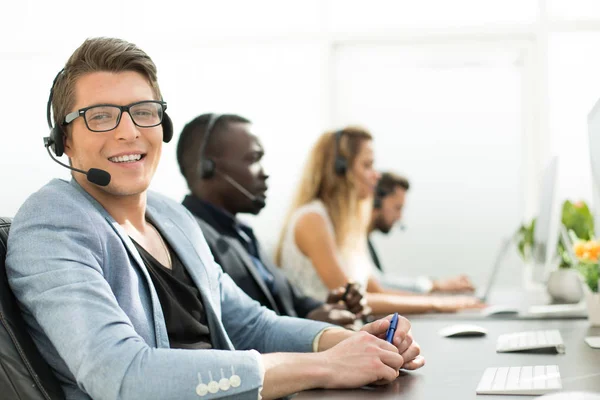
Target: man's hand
column 353, row 299
column 360, row 360
column 456, row 303
column 403, row 340
column 333, row 314
column 460, row 283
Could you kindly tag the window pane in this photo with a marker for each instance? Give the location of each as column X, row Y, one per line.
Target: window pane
column 377, row 15
column 573, row 9
column 455, row 129
column 574, row 88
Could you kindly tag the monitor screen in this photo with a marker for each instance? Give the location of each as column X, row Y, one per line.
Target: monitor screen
column 594, row 137
column 546, row 232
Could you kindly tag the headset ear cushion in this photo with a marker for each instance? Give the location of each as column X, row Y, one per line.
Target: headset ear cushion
column 208, row 169
column 377, row 202
column 56, row 134
column 340, row 166
column 379, row 195
column 167, row 125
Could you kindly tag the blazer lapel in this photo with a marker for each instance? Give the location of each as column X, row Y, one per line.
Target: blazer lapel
column 161, row 337
column 249, row 263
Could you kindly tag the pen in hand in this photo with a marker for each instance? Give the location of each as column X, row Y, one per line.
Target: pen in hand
column 389, row 336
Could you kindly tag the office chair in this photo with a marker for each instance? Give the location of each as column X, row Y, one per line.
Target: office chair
column 23, row 372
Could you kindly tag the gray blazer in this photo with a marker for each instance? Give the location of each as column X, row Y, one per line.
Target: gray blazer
column 92, row 310
column 236, row 262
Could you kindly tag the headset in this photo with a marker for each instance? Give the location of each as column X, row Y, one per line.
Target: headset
column 340, row 163
column 380, row 193
column 55, row 140
column 207, row 165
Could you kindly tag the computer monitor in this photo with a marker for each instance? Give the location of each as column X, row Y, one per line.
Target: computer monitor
column 594, row 140
column 546, row 232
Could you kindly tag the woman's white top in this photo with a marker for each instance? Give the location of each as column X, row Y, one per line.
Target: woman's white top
column 299, row 269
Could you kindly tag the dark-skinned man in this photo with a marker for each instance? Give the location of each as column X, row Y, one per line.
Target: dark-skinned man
column 221, row 161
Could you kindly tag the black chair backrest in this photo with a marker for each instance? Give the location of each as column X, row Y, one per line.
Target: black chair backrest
column 23, row 372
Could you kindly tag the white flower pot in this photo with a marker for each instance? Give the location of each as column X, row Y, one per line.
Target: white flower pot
column 565, row 286
column 593, row 306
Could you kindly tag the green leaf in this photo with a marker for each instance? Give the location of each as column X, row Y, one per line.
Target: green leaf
column 578, row 218
column 590, row 274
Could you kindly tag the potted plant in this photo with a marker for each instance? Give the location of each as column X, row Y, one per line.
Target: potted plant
column 587, row 253
column 564, row 283
column 575, row 217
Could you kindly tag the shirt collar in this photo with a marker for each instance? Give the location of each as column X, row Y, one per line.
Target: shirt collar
column 217, row 217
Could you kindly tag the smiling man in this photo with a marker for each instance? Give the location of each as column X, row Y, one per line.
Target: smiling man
column 118, row 287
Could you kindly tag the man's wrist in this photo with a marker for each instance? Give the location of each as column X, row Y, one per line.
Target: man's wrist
column 329, row 337
column 436, row 304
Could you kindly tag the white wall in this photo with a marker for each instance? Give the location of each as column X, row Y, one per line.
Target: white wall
column 455, row 129
column 297, row 68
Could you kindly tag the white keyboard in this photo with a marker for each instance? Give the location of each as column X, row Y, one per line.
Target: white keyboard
column 563, row 310
column 531, row 340
column 536, row 380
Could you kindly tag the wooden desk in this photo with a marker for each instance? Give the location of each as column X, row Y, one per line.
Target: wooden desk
column 455, row 366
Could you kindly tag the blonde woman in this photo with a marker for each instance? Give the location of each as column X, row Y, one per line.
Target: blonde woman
column 323, row 244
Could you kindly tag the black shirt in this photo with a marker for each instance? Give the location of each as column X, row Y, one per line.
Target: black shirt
column 180, row 301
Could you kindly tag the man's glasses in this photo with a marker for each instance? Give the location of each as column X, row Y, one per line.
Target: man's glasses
column 106, row 117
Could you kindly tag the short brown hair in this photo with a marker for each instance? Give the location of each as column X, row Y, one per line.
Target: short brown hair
column 96, row 55
column 389, row 181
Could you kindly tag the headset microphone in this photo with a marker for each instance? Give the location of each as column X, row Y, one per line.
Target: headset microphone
column 97, row 176
column 258, row 201
column 55, row 139
column 208, row 167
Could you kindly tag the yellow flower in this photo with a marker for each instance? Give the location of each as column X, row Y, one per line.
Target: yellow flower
column 587, row 250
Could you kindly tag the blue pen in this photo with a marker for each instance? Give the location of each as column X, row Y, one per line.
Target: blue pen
column 389, row 336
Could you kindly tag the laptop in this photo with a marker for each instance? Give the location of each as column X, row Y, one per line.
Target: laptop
column 484, row 291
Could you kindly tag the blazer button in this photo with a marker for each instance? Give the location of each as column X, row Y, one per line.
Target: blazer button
column 224, row 384
column 235, row 381
column 213, row 387
column 201, row 389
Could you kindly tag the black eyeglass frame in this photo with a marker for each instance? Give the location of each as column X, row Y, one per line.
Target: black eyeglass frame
column 81, row 113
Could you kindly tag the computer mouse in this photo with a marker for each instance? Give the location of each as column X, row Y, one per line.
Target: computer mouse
column 499, row 311
column 463, row 330
column 572, row 396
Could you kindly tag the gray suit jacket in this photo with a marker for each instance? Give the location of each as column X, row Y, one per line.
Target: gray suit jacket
column 236, row 261
column 92, row 310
